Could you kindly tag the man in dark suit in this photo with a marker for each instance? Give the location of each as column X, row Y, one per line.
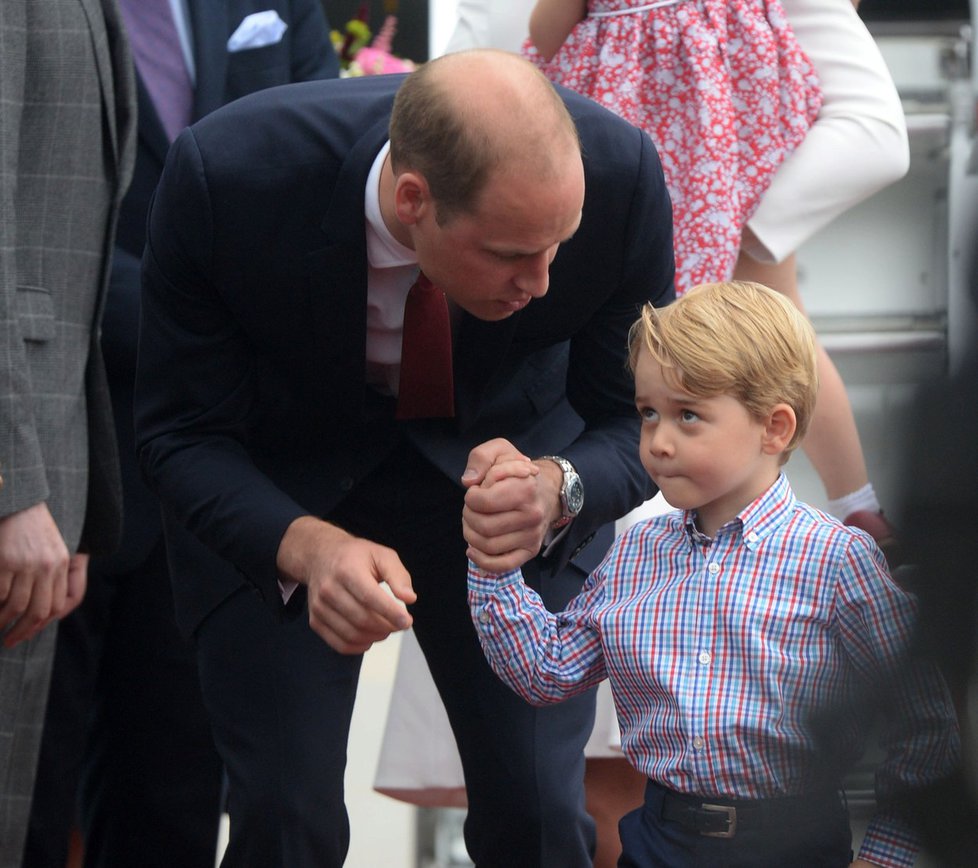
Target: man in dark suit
column 282, row 242
column 67, row 127
column 125, row 717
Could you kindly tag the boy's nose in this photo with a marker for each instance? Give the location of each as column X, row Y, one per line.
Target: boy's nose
column 660, row 442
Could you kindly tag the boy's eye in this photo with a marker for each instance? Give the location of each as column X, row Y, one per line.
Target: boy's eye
column 647, row 414
column 688, row 416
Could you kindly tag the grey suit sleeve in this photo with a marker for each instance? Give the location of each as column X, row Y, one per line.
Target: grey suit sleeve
column 21, row 463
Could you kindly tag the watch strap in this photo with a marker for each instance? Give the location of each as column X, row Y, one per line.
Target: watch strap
column 568, row 470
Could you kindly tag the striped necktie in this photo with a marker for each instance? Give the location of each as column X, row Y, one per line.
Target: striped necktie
column 160, row 61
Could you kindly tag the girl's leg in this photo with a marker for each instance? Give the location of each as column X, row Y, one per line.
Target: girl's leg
column 832, row 443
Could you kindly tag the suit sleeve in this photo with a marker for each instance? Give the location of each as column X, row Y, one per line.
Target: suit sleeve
column 638, row 262
column 195, row 386
column 21, row 462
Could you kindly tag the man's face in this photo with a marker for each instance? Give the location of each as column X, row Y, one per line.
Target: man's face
column 494, row 261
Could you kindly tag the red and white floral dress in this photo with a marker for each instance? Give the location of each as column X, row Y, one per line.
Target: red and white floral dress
column 723, row 89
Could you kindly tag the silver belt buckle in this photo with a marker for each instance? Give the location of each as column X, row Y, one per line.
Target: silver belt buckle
column 731, row 813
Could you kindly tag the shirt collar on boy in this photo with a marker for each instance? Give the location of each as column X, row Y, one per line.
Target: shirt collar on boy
column 755, row 521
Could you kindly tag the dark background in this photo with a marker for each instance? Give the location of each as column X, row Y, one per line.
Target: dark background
column 914, row 10
column 411, row 39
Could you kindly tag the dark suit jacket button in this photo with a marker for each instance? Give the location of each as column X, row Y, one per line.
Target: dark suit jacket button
column 582, row 545
column 346, row 483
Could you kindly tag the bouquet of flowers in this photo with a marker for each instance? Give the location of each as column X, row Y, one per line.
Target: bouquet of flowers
column 359, row 56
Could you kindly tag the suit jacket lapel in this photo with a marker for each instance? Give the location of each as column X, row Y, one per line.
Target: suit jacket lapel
column 338, row 279
column 478, row 349
column 338, row 300
column 210, row 26
column 114, row 67
column 151, row 130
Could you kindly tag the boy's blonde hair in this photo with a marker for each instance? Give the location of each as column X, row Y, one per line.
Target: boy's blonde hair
column 739, row 339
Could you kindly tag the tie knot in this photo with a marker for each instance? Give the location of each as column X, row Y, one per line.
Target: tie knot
column 422, row 284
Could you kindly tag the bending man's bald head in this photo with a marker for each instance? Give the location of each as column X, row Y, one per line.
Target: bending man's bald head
column 462, row 118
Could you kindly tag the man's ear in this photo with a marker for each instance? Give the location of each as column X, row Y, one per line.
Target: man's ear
column 779, row 428
column 412, row 199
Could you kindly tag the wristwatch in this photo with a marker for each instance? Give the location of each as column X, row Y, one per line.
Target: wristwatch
column 571, row 491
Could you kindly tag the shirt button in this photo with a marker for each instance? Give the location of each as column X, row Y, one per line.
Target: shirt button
column 484, row 617
column 752, row 537
column 705, row 657
column 698, row 743
column 714, row 569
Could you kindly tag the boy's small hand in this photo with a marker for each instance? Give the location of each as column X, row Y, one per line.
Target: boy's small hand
column 516, row 468
column 507, row 507
column 488, row 455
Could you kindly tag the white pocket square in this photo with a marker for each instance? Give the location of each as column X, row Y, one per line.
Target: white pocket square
column 257, row 30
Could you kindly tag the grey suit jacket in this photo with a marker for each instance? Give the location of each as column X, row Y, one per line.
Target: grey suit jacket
column 66, row 152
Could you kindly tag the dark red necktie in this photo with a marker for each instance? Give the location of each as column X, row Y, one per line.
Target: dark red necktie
column 426, row 388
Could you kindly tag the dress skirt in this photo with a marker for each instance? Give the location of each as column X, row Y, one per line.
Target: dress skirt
column 724, row 90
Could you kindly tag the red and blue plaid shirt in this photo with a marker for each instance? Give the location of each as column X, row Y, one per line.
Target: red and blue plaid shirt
column 742, row 666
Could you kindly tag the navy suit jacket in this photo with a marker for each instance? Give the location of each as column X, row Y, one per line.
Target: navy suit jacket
column 251, row 406
column 304, row 53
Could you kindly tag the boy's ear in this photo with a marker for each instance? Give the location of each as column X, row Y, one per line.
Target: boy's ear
column 779, row 428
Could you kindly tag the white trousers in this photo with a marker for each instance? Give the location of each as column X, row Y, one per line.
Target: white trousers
column 857, row 145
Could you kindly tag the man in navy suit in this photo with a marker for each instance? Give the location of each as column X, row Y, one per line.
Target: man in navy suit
column 151, row 777
column 304, row 521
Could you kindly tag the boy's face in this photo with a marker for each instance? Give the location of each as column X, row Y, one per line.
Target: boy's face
column 707, row 454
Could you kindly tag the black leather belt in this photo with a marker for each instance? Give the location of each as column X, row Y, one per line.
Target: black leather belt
column 721, row 818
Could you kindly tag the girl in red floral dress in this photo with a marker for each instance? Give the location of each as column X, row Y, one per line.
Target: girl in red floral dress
column 727, row 93
column 721, row 86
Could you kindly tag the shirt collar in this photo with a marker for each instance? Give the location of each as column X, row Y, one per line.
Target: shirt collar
column 383, row 249
column 757, row 520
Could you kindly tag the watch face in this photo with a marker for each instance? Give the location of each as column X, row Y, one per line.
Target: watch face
column 575, row 496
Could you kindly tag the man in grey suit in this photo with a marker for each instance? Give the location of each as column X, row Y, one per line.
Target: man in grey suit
column 125, row 701
column 67, row 120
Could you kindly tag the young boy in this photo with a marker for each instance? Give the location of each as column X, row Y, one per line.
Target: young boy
column 730, row 627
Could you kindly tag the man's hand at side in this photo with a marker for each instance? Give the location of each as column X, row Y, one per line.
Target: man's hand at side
column 34, row 574
column 510, row 505
column 344, row 575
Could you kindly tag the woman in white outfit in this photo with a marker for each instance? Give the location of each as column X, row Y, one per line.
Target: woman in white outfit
column 491, row 24
column 857, row 146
